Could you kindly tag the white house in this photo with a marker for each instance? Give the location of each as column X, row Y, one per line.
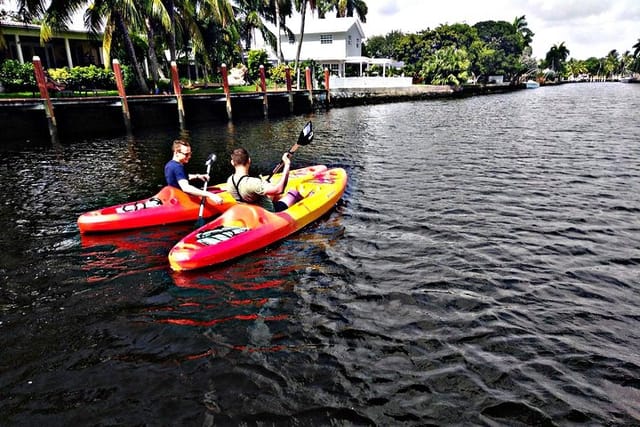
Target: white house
column 332, row 43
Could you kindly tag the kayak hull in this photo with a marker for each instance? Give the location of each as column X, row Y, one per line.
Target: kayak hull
column 245, row 228
column 169, row 205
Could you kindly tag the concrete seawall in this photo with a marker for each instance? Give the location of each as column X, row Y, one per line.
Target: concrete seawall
column 25, row 119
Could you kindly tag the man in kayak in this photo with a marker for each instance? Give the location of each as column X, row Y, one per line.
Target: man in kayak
column 245, row 188
column 177, row 177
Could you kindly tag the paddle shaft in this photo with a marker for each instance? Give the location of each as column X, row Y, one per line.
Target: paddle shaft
column 305, row 137
column 204, row 188
column 280, row 165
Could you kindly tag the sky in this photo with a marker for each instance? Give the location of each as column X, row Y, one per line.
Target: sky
column 587, row 27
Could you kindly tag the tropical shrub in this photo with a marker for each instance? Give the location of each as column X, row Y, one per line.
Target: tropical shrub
column 278, row 74
column 17, row 77
column 255, row 59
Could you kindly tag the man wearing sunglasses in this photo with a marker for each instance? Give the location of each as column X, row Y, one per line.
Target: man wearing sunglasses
column 177, row 177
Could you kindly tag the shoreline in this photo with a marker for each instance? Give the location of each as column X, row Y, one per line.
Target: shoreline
column 25, row 120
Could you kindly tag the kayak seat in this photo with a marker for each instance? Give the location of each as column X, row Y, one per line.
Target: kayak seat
column 244, row 215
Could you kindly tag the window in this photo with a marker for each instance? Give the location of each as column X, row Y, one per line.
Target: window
column 326, row 38
column 349, row 40
column 333, row 68
column 292, row 39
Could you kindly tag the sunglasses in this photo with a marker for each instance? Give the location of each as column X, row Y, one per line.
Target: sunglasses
column 186, row 154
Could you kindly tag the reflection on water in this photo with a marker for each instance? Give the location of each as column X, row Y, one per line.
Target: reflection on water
column 481, row 268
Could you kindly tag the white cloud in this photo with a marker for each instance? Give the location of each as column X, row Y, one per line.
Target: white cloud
column 587, row 27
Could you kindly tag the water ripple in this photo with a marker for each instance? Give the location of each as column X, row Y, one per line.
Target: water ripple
column 481, row 269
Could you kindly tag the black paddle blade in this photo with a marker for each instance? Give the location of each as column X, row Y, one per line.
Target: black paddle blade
column 306, row 134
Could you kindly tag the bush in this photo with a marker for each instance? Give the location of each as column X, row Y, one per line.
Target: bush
column 255, row 59
column 17, row 77
column 88, row 77
column 278, row 74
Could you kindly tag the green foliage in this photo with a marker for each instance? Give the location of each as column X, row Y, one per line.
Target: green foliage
column 317, row 73
column 492, row 47
column 88, row 77
column 448, row 66
column 593, row 65
column 255, row 59
column 278, row 74
column 16, row 77
column 556, row 58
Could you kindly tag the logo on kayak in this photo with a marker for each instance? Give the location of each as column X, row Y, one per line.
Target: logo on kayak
column 218, row 234
column 153, row 202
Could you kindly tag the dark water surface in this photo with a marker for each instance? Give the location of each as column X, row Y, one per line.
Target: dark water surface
column 482, row 268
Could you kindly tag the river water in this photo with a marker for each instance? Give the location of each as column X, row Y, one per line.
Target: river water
column 482, row 268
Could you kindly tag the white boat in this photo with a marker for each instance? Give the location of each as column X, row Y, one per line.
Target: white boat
column 532, row 84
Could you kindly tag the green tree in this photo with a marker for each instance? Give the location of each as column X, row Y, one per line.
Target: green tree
column 448, row 66
column 507, row 46
column 255, row 15
column 123, row 16
column 301, row 6
column 521, row 27
column 343, row 8
column 611, row 63
column 255, row 59
column 576, row 67
column 636, row 57
column 593, row 66
column 557, row 57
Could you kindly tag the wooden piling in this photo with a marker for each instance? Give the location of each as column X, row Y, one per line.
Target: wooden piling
column 309, row 84
column 263, row 84
column 44, row 94
column 117, row 72
column 177, row 90
column 225, row 86
column 287, row 72
column 326, row 84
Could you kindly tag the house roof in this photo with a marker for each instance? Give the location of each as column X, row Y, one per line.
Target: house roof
column 13, row 26
column 332, row 25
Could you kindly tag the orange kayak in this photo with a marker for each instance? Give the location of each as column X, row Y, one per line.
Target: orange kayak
column 245, row 228
column 170, row 205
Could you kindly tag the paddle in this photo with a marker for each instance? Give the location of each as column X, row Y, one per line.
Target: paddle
column 305, row 137
column 200, row 222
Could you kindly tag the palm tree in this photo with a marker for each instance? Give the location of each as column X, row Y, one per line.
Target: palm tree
column 344, row 8
column 254, row 15
column 521, row 27
column 282, row 8
column 576, row 67
column 556, row 57
column 636, row 47
column 123, row 16
column 301, row 6
column 120, row 16
column 611, row 62
column 635, row 66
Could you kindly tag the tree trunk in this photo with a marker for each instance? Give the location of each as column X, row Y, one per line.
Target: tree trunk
column 303, row 13
column 140, row 77
column 153, row 58
column 278, row 42
column 172, row 39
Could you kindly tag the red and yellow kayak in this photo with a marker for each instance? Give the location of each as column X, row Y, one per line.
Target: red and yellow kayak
column 170, row 205
column 244, row 228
